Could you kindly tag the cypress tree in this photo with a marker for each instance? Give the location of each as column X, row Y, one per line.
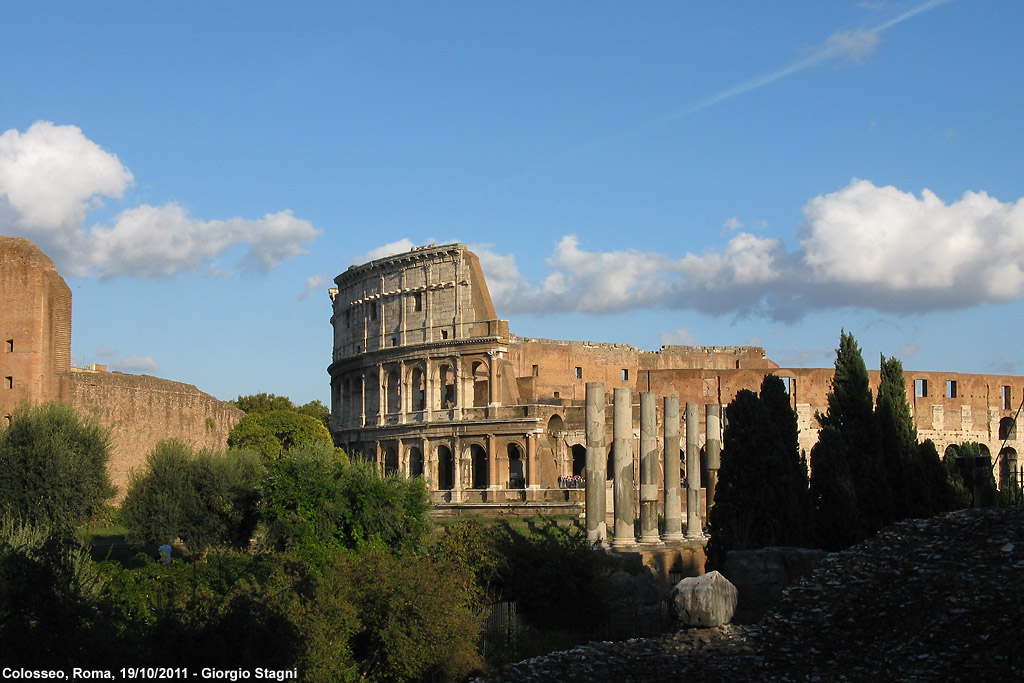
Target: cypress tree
column 851, row 415
column 898, row 446
column 762, row 497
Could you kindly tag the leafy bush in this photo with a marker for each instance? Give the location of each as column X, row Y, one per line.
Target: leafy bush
column 313, row 500
column 204, row 498
column 277, row 431
column 49, row 597
column 53, row 466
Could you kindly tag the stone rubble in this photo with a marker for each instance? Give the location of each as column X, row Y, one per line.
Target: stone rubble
column 924, row 600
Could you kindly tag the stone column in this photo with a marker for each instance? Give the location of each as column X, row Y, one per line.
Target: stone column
column 457, row 371
column 648, row 469
column 694, row 523
column 456, row 470
column 494, row 475
column 382, row 393
column 673, row 496
column 492, row 378
column 597, row 464
column 531, row 462
column 713, row 449
column 622, row 435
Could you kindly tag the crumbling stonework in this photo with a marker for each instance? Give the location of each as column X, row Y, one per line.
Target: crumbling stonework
column 427, row 380
column 35, row 367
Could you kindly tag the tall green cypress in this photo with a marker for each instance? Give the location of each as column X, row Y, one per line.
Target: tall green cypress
column 898, row 446
column 762, row 497
column 854, row 436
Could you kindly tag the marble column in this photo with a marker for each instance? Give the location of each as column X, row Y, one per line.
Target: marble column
column 597, row 463
column 649, row 469
column 694, row 522
column 712, row 449
column 673, row 495
column 622, row 437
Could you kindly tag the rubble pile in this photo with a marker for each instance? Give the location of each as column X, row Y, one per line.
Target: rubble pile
column 924, row 600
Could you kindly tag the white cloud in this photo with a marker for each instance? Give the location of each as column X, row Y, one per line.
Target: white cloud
column 910, row 253
column 314, row 284
column 864, row 246
column 680, row 337
column 51, row 176
column 732, row 225
column 136, row 364
column 397, row 247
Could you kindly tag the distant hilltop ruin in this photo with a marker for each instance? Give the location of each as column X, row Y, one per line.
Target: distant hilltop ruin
column 35, row 366
column 427, row 380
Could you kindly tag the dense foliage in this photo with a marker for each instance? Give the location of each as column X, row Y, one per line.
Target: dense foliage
column 278, row 431
column 53, row 466
column 313, row 500
column 762, row 498
column 204, row 498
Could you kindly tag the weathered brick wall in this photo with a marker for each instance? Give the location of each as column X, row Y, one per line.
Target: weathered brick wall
column 35, row 325
column 141, row 411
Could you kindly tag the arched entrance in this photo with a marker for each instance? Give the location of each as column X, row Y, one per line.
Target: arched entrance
column 418, row 387
column 481, row 469
column 1007, row 429
column 579, row 460
column 516, row 470
column 445, row 469
column 415, row 462
column 481, row 385
column 390, row 461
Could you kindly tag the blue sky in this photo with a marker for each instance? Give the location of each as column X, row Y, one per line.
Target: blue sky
column 649, row 173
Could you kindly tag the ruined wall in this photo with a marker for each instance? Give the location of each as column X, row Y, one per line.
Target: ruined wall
column 141, row 411
column 35, row 325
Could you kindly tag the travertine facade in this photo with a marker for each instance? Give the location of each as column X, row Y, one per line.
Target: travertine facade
column 427, row 380
column 35, row 367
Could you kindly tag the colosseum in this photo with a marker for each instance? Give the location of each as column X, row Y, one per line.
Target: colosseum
column 35, row 367
column 427, row 380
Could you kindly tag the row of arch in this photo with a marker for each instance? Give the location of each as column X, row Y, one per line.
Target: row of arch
column 479, row 465
column 382, row 390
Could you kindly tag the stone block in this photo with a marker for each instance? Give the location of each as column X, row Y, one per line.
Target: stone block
column 706, row 601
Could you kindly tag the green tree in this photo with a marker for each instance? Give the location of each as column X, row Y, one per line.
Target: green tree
column 837, row 519
column 314, row 501
column 259, row 431
column 762, row 497
column 262, row 403
column 205, row 498
column 851, row 413
column 317, row 410
column 49, row 598
column 898, row 445
column 53, row 466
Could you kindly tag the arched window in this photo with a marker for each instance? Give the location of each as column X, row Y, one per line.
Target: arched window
column 481, row 468
column 390, row 461
column 445, row 468
column 516, row 471
column 415, row 462
column 481, row 384
column 579, row 460
column 394, row 394
column 1007, row 429
column 419, row 391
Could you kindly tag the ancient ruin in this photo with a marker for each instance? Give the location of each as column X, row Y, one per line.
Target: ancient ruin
column 35, row 367
column 428, row 381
